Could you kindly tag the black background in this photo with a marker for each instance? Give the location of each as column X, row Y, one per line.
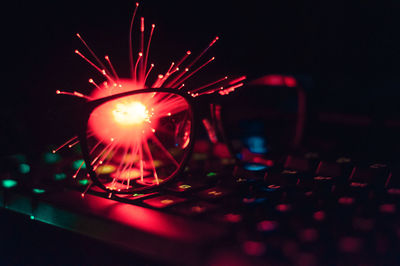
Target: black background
column 349, row 50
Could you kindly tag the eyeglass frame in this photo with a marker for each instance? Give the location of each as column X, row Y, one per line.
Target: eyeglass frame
column 90, row 106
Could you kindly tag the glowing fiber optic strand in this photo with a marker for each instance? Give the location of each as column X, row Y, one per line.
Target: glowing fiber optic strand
column 143, row 137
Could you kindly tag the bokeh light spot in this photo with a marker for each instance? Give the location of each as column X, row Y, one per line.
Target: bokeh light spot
column 8, row 183
column 24, row 168
column 76, row 164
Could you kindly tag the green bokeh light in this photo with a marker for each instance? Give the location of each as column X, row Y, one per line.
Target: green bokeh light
column 211, row 174
column 8, row 183
column 32, row 217
column 24, row 168
column 38, row 190
column 83, row 182
column 76, row 164
column 21, row 158
column 60, row 176
column 51, row 158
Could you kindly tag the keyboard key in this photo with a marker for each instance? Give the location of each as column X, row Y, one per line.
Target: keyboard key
column 299, row 164
column 393, row 181
column 185, row 187
column 232, row 217
column 363, row 224
column 283, row 179
column 328, row 169
column 350, row 244
column 267, row 226
column 323, row 186
column 306, row 259
column 308, row 235
column 283, row 207
column 137, row 196
column 376, row 174
column 319, row 216
column 214, row 193
column 163, row 201
column 346, row 201
column 253, row 200
column 389, row 208
column 254, row 248
column 194, row 208
column 271, row 192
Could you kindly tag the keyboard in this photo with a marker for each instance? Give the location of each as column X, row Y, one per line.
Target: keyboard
column 303, row 208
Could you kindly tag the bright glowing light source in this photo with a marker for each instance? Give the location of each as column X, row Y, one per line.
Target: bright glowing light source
column 24, row 168
column 8, row 183
column 130, row 113
column 32, row 217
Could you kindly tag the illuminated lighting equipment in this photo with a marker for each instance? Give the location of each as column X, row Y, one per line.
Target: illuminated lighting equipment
column 139, row 132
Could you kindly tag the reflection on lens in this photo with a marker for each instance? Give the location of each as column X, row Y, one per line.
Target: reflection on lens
column 139, row 140
column 182, row 133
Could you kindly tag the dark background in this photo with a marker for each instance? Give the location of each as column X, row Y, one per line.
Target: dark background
column 349, row 51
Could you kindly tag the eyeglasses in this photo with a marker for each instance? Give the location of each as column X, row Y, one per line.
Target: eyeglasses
column 137, row 140
column 134, row 139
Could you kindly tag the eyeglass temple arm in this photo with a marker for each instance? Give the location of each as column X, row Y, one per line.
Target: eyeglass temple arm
column 218, row 125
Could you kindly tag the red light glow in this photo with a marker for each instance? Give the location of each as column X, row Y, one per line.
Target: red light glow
column 145, row 135
column 276, row 80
